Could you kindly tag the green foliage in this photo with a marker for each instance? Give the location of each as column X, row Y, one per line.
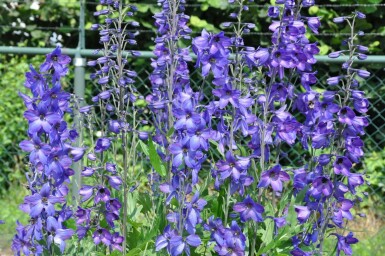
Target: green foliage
column 10, row 213
column 12, row 124
column 375, row 165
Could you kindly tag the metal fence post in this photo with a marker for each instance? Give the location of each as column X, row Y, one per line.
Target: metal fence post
column 79, row 89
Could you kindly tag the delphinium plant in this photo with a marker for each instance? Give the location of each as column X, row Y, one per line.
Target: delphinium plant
column 180, row 130
column 113, row 119
column 219, row 181
column 50, row 157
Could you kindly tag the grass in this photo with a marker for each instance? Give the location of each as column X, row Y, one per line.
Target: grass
column 9, row 212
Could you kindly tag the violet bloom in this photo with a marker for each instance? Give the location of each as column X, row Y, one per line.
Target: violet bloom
column 274, row 177
column 342, row 210
column 226, row 94
column 346, row 115
column 21, row 242
column 113, row 205
column 43, row 200
column 216, row 228
column 187, row 118
column 235, row 238
column 35, row 82
column 342, row 165
column 344, row 243
column 83, row 215
column 57, row 61
column 355, row 180
column 40, row 118
column 38, row 150
column 102, row 144
column 179, row 244
column 303, row 213
column 248, row 209
column 116, row 242
column 102, row 235
column 182, row 154
column 163, row 241
column 215, row 62
column 232, row 166
column 103, row 194
column 115, row 181
column 57, row 234
column 193, row 213
column 321, row 186
column 86, row 192
column 298, row 252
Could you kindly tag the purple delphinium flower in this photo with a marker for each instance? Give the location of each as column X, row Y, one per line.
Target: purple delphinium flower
column 274, row 177
column 102, row 235
column 321, row 187
column 341, row 211
column 57, row 234
column 57, row 61
column 102, row 144
column 303, row 213
column 344, row 243
column 342, row 166
column 248, row 209
column 43, row 201
column 232, row 166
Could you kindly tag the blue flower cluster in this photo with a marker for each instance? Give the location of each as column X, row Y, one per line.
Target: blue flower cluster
column 50, row 157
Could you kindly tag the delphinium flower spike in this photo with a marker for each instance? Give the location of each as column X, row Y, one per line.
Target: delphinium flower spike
column 50, row 157
column 180, row 129
column 102, row 214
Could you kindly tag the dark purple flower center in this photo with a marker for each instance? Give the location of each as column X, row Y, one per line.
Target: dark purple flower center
column 44, row 200
column 273, row 175
column 102, row 191
column 344, row 111
column 232, row 165
column 41, row 117
column 213, row 60
column 311, row 104
column 100, row 231
column 54, row 57
column 340, row 161
column 54, row 96
column 324, row 180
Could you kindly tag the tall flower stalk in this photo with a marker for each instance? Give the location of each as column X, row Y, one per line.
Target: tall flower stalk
column 50, row 159
column 118, row 125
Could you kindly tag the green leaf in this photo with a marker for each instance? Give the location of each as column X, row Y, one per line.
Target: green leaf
column 144, row 148
column 155, row 159
column 170, row 132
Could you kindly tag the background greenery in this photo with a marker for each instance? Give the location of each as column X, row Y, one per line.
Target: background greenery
column 38, row 23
